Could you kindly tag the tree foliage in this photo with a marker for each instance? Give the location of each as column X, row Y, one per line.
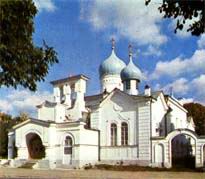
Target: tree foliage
column 21, row 62
column 197, row 111
column 6, row 123
column 185, row 10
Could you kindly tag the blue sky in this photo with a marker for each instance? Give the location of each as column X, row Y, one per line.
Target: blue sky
column 80, row 31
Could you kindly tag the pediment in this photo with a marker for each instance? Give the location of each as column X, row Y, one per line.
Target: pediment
column 119, row 98
column 47, row 104
column 33, row 121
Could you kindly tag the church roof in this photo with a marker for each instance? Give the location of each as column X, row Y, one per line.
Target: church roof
column 94, row 97
column 98, row 98
column 93, row 100
column 155, row 94
column 33, row 121
column 175, row 101
column 72, row 78
column 47, row 104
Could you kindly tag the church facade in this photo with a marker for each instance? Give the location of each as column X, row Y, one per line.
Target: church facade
column 121, row 125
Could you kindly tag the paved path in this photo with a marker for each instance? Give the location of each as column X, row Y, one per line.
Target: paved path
column 9, row 173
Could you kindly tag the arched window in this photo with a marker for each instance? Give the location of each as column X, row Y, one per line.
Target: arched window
column 68, row 145
column 124, row 134
column 113, row 134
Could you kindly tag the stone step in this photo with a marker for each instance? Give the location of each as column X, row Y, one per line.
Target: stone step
column 62, row 166
column 29, row 164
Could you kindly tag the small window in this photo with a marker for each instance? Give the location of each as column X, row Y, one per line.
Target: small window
column 124, row 134
column 68, row 145
column 67, row 150
column 113, row 134
column 68, row 141
column 127, row 83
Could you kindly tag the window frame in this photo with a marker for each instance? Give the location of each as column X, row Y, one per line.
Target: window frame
column 127, row 84
column 113, row 134
column 68, row 143
column 124, row 133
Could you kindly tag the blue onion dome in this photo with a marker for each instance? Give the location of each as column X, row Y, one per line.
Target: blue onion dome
column 112, row 65
column 131, row 72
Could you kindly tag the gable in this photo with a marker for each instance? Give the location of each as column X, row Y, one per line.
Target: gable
column 174, row 102
column 31, row 121
column 117, row 96
column 117, row 108
column 161, row 97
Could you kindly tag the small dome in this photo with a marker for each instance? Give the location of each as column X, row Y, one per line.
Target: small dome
column 130, row 72
column 111, row 66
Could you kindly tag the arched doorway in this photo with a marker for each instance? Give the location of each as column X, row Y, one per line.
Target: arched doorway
column 159, row 155
column 183, row 151
column 67, row 150
column 35, row 146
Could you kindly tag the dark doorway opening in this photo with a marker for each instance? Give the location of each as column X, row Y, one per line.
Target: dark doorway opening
column 35, row 146
column 183, row 154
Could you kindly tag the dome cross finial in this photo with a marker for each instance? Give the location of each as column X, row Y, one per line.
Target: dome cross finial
column 113, row 43
column 130, row 50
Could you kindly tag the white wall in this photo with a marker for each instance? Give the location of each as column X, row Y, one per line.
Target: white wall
column 158, row 116
column 114, row 154
column 60, row 113
column 116, row 110
column 20, row 137
column 144, row 133
column 178, row 117
column 46, row 113
column 110, row 82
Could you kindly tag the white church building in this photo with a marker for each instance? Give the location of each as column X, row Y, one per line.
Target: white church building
column 121, row 125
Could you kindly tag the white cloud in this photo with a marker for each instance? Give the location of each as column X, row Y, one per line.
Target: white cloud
column 201, row 41
column 5, row 106
column 199, row 85
column 186, row 100
column 152, row 50
column 179, row 66
column 47, row 5
column 183, row 86
column 130, row 19
column 180, row 86
column 23, row 101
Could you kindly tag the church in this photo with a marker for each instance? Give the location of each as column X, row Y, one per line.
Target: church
column 120, row 125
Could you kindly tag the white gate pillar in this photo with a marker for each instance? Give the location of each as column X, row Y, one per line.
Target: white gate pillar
column 11, row 139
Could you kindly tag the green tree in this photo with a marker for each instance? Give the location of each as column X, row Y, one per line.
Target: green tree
column 184, row 10
column 21, row 62
column 22, row 117
column 197, row 111
column 6, row 123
